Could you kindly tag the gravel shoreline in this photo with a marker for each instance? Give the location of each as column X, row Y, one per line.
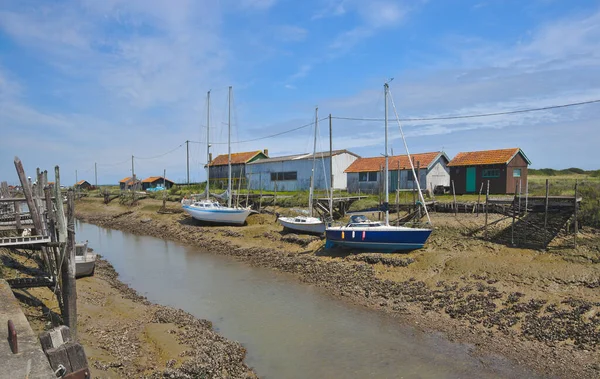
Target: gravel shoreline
column 207, row 353
column 556, row 339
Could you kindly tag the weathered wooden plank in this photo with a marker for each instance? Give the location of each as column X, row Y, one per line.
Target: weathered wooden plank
column 68, row 270
column 55, row 337
column 58, row 356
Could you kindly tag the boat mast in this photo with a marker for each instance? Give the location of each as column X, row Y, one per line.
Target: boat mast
column 385, row 175
column 312, row 177
column 229, row 194
column 208, row 146
column 330, row 170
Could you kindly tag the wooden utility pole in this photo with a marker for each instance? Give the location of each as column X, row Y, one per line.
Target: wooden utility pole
column 96, row 174
column 69, row 286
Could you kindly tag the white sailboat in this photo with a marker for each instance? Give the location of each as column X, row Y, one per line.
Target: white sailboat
column 361, row 233
column 208, row 210
column 307, row 224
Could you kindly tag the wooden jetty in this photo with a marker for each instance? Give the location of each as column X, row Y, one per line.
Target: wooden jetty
column 339, row 204
column 53, row 233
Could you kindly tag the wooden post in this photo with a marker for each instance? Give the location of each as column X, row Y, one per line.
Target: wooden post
column 53, row 252
column 418, row 196
column 514, row 214
column 479, row 198
column 17, row 207
column 61, row 224
column 398, row 196
column 520, row 191
column 487, row 197
column 237, row 200
column 248, row 190
column 165, row 189
column 35, row 216
column 546, row 205
column 576, row 229
column 454, row 195
column 275, row 195
column 526, row 194
column 261, row 188
column 69, row 286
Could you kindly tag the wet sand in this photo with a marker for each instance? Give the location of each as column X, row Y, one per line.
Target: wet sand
column 539, row 308
column 124, row 335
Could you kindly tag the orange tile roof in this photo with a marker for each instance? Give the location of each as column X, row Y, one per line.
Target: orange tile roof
column 125, row 180
column 151, row 179
column 236, row 158
column 486, row 157
column 80, row 182
column 375, row 163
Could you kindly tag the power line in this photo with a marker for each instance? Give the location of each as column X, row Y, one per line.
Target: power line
column 472, row 115
column 115, row 164
column 267, row 137
column 160, row 155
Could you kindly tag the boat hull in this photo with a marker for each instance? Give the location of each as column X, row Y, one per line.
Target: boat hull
column 383, row 240
column 85, row 267
column 218, row 216
column 314, row 227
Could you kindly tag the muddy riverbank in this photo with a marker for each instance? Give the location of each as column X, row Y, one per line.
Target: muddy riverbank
column 538, row 308
column 124, row 335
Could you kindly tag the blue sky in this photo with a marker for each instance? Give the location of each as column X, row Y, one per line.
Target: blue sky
column 84, row 82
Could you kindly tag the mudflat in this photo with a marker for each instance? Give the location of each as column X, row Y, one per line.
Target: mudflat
column 124, row 335
column 537, row 307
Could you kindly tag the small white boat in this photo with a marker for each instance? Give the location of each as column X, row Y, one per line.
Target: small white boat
column 307, row 224
column 303, row 224
column 212, row 211
column 85, row 261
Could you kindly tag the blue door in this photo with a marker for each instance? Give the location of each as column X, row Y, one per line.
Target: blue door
column 471, row 185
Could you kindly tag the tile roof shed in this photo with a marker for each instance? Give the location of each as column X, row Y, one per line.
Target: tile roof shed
column 486, row 157
column 375, row 163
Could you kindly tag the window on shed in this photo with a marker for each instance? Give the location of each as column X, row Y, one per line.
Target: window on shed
column 367, row 176
column 516, row 173
column 491, row 173
column 288, row 175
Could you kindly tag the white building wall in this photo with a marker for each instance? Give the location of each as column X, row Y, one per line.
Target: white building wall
column 340, row 163
column 438, row 175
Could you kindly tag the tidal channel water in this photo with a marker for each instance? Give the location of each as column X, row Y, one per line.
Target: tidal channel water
column 290, row 329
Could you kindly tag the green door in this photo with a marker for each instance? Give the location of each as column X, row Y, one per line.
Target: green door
column 471, row 185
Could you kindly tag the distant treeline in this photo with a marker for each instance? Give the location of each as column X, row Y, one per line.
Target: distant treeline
column 567, row 171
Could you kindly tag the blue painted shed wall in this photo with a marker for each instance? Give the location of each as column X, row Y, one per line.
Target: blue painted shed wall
column 259, row 174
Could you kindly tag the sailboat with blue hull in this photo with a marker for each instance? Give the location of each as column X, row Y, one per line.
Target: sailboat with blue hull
column 361, row 233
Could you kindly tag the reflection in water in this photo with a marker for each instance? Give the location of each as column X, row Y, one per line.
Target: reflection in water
column 290, row 330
